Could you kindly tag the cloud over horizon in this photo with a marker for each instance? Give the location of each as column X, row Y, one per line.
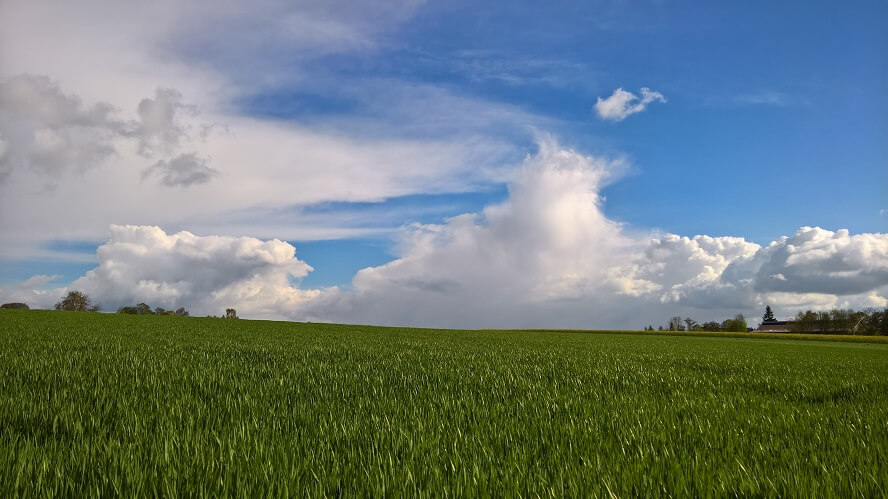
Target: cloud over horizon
column 548, row 256
column 205, row 143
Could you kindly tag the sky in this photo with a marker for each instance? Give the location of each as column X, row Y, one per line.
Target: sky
column 595, row 164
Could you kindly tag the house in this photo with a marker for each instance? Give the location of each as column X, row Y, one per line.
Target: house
column 773, row 327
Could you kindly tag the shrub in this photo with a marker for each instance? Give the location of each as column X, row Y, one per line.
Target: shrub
column 15, row 306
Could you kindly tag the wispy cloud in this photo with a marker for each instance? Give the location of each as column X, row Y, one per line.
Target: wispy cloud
column 767, row 97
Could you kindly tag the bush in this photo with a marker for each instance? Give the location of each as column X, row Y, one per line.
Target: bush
column 15, row 306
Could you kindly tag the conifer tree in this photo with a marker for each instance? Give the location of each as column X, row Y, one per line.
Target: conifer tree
column 769, row 315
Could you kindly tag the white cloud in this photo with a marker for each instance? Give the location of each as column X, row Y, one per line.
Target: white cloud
column 205, row 274
column 815, row 268
column 815, row 260
column 546, row 257
column 622, row 103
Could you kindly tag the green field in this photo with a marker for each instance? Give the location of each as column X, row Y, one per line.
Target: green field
column 101, row 403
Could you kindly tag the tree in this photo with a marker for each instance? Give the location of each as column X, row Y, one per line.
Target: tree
column 181, row 312
column 140, row 309
column 711, row 326
column 691, row 323
column 15, row 306
column 230, row 313
column 675, row 324
column 841, row 320
column 769, row 315
column 805, row 322
column 736, row 325
column 163, row 311
column 77, row 301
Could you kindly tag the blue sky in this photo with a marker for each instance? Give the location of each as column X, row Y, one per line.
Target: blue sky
column 775, row 119
column 350, row 130
column 762, row 98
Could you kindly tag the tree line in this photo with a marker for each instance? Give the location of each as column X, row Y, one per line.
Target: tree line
column 78, row 301
column 869, row 321
column 676, row 323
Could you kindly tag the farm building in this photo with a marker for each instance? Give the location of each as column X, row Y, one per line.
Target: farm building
column 773, row 327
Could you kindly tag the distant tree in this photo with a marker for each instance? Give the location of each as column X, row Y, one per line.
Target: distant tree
column 691, row 323
column 140, row 309
column 181, row 312
column 77, row 301
column 230, row 313
column 711, row 326
column 736, row 325
column 805, row 322
column 675, row 324
column 824, row 322
column 659, row 328
column 15, row 306
column 769, row 315
column 882, row 320
column 841, row 320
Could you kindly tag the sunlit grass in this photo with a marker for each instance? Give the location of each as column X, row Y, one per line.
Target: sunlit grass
column 93, row 403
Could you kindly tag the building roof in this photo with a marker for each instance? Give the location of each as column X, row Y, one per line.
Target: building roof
column 774, row 327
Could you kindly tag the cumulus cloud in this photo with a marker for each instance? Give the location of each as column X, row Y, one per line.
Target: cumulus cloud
column 816, row 260
column 814, row 268
column 182, row 171
column 45, row 130
column 623, row 103
column 547, row 256
column 204, row 273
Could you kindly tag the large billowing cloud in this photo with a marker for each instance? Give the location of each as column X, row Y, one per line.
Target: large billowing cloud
column 206, row 274
column 622, row 103
column 548, row 256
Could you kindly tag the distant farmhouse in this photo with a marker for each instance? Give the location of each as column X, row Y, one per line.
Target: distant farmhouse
column 774, row 327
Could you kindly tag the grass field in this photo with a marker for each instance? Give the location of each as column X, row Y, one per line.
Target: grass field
column 101, row 403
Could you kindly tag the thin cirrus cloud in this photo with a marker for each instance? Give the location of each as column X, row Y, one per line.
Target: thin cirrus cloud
column 622, row 103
